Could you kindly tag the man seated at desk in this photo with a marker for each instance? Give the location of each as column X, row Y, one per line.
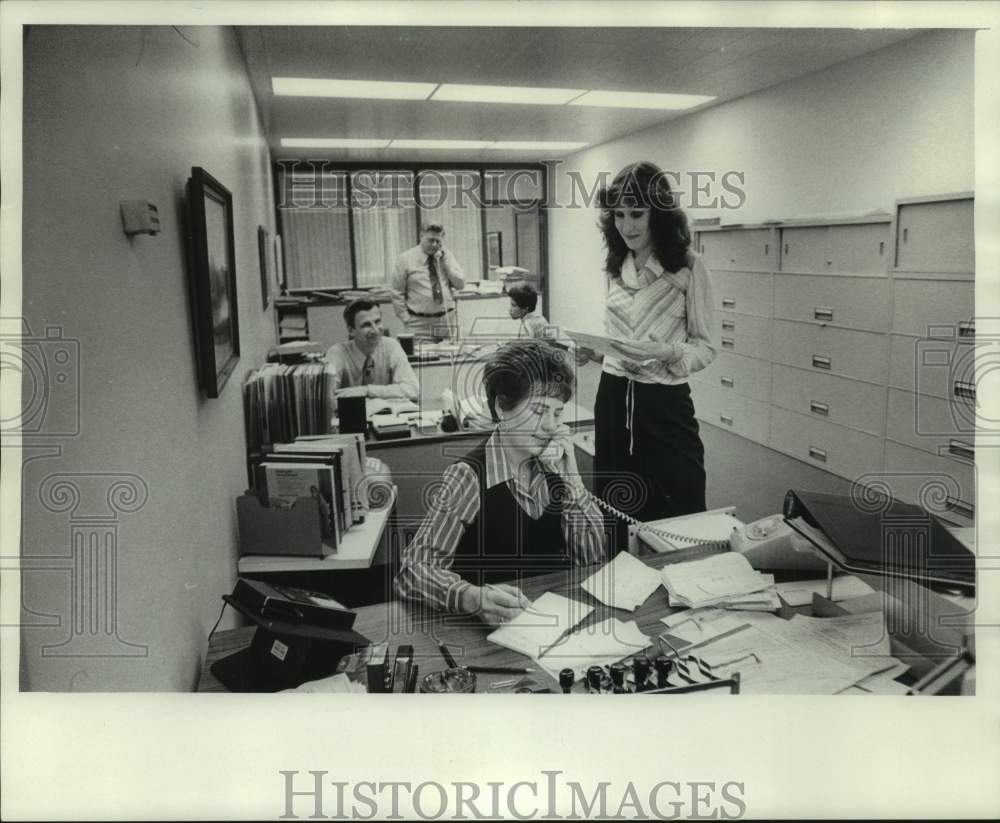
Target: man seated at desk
column 370, row 364
column 514, row 505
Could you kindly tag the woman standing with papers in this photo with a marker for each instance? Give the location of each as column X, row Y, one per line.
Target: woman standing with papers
column 514, row 506
column 659, row 308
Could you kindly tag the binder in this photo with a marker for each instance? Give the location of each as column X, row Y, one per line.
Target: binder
column 882, row 536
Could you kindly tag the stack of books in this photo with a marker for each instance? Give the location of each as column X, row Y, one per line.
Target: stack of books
column 328, row 469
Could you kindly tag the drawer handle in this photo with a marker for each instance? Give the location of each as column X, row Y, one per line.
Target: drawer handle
column 817, row 454
column 728, row 343
column 732, row 259
column 960, row 449
column 823, row 313
column 820, row 362
column 960, row 506
column 726, row 419
column 965, row 390
column 786, row 248
column 767, row 247
column 819, row 408
column 881, row 247
column 729, row 325
column 729, row 302
column 829, row 262
column 906, row 235
column 967, row 328
column 728, row 382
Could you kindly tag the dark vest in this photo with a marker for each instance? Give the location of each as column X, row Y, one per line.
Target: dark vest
column 503, row 543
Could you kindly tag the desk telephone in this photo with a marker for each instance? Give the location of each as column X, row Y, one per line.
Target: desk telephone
column 552, row 455
column 768, row 543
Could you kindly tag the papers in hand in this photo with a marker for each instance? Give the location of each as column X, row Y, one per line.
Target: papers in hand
column 725, row 579
column 624, row 583
column 595, row 342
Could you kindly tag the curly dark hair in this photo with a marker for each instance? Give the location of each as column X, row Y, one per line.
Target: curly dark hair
column 644, row 185
column 521, row 366
column 524, row 296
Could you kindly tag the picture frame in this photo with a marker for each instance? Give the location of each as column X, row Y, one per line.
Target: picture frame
column 213, row 280
column 264, row 259
column 494, row 249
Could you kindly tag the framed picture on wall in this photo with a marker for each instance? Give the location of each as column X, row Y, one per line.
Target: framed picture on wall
column 213, row 280
column 264, row 259
column 494, row 249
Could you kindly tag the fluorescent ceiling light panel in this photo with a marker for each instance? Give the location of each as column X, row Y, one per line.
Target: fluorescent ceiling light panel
column 640, row 100
column 366, row 89
column 525, row 95
column 536, row 145
column 441, row 144
column 333, row 143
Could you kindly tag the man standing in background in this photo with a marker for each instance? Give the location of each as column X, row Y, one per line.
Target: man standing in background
column 424, row 279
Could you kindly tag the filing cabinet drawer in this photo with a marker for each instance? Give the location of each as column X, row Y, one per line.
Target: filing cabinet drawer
column 930, row 423
column 845, row 248
column 939, row 308
column 828, row 397
column 944, row 486
column 936, row 236
column 743, row 375
column 731, row 411
column 842, row 451
column 744, row 292
column 738, row 249
column 858, row 303
column 942, row 368
column 846, row 352
column 744, row 334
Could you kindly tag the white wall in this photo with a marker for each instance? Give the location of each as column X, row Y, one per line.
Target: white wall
column 116, row 113
column 852, row 138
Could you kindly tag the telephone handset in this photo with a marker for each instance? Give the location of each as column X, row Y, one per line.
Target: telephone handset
column 552, row 456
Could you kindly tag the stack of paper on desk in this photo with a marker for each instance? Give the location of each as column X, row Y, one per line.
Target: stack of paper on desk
column 602, row 644
column 800, row 592
column 726, row 580
column 544, row 632
column 624, row 583
column 806, row 655
column 540, row 626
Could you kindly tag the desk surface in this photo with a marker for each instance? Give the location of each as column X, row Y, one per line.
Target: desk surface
column 399, row 622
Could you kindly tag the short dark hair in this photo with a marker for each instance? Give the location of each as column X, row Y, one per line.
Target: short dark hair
column 644, row 185
column 524, row 295
column 356, row 306
column 521, row 366
column 436, row 228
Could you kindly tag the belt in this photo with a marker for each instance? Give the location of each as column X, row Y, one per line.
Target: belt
column 435, row 314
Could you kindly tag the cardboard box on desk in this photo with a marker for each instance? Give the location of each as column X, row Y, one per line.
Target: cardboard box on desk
column 291, row 532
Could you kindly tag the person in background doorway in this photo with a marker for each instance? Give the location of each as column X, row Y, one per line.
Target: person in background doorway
column 423, row 283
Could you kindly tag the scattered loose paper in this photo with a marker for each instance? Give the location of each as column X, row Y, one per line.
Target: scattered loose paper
column 624, row 583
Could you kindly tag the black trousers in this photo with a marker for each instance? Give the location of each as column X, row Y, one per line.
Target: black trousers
column 658, row 469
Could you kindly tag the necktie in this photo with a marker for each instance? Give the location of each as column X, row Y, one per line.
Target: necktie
column 367, row 370
column 435, row 279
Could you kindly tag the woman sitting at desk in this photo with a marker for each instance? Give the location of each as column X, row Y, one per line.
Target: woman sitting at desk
column 506, row 510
